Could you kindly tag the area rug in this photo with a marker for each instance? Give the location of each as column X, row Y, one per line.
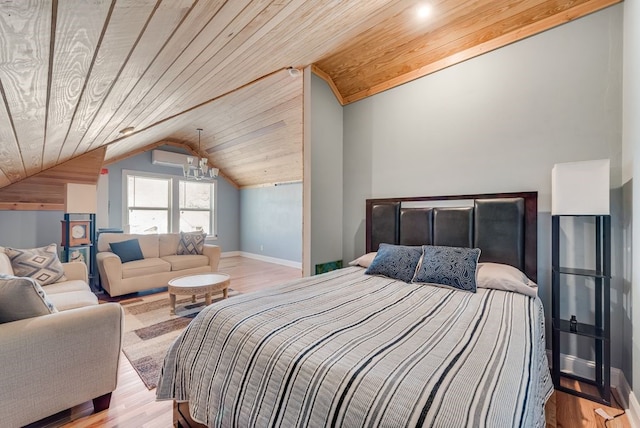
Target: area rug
column 149, row 330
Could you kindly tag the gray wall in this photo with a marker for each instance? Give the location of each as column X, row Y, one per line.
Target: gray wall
column 30, row 229
column 271, row 221
column 631, row 148
column 627, row 266
column 228, row 198
column 495, row 123
column 326, row 175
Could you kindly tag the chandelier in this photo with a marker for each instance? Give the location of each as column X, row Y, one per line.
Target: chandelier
column 197, row 168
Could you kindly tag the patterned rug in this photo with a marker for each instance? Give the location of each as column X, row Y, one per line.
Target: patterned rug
column 149, row 330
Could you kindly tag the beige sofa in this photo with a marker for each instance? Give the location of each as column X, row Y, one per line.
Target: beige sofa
column 159, row 266
column 53, row 362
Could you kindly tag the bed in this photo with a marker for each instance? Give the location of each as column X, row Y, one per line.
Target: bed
column 351, row 349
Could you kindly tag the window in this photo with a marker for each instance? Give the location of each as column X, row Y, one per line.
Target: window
column 196, row 204
column 160, row 203
column 148, row 204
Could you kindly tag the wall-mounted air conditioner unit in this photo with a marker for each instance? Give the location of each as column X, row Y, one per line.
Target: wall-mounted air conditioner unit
column 160, row 157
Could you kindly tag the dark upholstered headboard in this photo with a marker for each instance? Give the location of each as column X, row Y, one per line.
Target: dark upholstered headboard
column 503, row 225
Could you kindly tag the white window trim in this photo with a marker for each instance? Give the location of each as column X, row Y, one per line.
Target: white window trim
column 174, row 215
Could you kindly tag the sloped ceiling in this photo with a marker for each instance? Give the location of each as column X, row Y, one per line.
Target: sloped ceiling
column 253, row 135
column 74, row 73
column 46, row 190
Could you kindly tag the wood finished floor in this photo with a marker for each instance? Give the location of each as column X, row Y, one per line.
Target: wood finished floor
column 572, row 411
column 133, row 405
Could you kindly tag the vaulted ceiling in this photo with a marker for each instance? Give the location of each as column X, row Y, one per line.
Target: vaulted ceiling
column 74, row 73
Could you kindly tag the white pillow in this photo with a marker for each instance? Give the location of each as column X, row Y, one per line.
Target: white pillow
column 22, row 297
column 363, row 261
column 504, row 277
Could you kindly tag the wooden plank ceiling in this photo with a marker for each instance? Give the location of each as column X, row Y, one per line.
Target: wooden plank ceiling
column 46, row 190
column 74, row 73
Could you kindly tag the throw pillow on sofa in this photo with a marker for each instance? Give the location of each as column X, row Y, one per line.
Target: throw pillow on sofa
column 191, row 243
column 41, row 264
column 22, row 297
column 128, row 250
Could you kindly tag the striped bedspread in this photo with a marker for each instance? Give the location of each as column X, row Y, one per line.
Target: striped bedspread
column 350, row 350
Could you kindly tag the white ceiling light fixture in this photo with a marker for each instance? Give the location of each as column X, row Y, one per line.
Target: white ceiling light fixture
column 127, row 131
column 198, row 170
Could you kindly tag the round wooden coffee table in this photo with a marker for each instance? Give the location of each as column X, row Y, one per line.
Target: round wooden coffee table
column 206, row 283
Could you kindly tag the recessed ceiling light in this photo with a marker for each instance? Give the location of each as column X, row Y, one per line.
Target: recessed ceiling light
column 128, row 130
column 423, row 11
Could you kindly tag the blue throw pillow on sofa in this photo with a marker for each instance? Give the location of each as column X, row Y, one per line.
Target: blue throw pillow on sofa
column 128, row 251
column 395, row 261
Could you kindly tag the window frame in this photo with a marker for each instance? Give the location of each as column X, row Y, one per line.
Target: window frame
column 174, row 200
column 213, row 226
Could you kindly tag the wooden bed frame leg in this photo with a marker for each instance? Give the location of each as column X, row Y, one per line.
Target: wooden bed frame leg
column 101, row 403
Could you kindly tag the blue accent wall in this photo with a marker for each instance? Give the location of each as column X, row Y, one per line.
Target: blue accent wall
column 30, row 229
column 271, row 221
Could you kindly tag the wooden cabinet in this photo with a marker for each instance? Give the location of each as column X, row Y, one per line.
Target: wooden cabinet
column 595, row 330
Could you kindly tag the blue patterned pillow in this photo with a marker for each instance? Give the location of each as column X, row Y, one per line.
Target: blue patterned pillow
column 395, row 261
column 452, row 266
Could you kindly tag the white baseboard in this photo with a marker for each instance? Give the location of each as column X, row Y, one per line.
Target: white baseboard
column 260, row 257
column 229, row 254
column 619, row 382
column 283, row 262
column 634, row 411
column 586, row 368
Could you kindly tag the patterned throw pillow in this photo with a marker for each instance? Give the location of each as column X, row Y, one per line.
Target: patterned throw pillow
column 452, row 266
column 41, row 264
column 395, row 261
column 191, row 243
column 22, row 298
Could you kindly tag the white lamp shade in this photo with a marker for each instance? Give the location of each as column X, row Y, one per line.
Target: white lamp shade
column 80, row 198
column 580, row 188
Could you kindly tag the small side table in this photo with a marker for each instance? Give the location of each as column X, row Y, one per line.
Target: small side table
column 207, row 283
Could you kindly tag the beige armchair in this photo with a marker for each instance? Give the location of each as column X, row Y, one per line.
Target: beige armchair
column 52, row 362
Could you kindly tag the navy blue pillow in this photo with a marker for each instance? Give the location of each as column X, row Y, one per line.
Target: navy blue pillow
column 452, row 266
column 128, row 251
column 395, row 261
